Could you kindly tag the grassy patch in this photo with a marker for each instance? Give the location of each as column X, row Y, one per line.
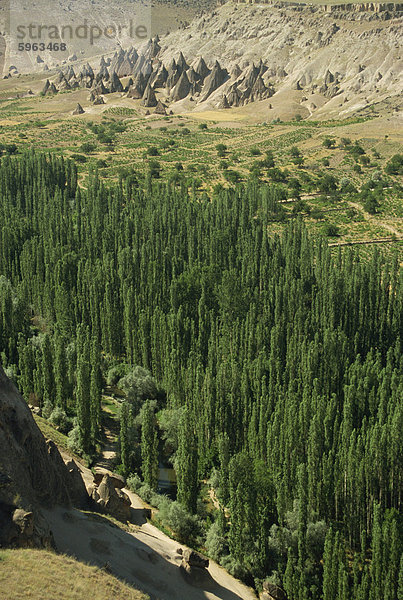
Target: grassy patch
column 50, row 433
column 43, row 575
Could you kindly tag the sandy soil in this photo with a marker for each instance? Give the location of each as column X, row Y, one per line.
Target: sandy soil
column 144, row 556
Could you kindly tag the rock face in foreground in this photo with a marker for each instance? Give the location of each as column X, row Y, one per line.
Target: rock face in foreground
column 108, row 497
column 194, row 568
column 272, row 592
column 32, row 474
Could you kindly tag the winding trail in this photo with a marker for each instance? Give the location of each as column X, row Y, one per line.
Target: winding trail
column 139, row 553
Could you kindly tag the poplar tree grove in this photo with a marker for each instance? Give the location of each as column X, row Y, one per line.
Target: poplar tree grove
column 277, row 361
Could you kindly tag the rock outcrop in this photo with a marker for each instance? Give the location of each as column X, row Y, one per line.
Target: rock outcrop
column 182, row 88
column 272, row 592
column 149, row 98
column 32, row 474
column 194, row 568
column 110, row 499
column 78, row 110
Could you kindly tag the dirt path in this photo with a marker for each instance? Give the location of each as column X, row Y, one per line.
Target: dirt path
column 144, row 556
column 107, row 458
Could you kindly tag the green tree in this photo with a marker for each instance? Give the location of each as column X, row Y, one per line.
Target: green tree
column 149, row 446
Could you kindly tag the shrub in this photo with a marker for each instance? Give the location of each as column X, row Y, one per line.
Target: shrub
column 268, row 161
column 73, row 440
column 235, row 568
column 371, row 204
column 327, row 184
column 134, row 482
column 255, row 152
column 329, row 142
column 59, row 419
column 79, row 158
column 356, row 150
column 232, row 176
column 138, row 385
column 116, row 372
column 295, row 152
column 347, row 186
column 331, row 230
column 186, row 527
column 216, row 544
column 155, row 168
column 221, row 150
column 395, row 165
column 87, row 147
column 145, row 492
column 47, row 409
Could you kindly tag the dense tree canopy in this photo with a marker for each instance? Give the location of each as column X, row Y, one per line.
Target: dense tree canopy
column 286, row 359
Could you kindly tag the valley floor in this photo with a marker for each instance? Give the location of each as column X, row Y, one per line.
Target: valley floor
column 143, row 556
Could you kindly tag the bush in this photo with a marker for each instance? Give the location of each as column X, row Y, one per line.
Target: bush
column 11, row 372
column 232, row 176
column 329, row 143
column 268, row 161
column 87, row 147
column 116, row 372
column 73, row 440
column 371, row 204
column 395, row 165
column 79, row 158
column 146, row 493
column 347, row 186
column 221, row 150
column 327, row 184
column 255, row 152
column 295, row 152
column 216, row 544
column 153, row 151
column 331, row 230
column 186, row 527
column 356, row 150
column 134, row 482
column 203, row 126
column 59, row 419
column 47, row 409
column 235, row 568
column 155, row 168
column 138, row 386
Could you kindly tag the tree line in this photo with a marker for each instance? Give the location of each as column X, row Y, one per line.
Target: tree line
column 275, row 365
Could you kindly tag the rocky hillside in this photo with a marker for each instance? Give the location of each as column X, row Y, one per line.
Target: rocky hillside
column 120, row 18
column 32, row 474
column 325, row 61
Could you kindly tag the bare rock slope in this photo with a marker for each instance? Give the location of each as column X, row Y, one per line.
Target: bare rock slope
column 340, row 59
column 32, row 474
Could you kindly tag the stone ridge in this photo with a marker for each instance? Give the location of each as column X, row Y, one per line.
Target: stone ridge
column 347, row 7
column 32, row 473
